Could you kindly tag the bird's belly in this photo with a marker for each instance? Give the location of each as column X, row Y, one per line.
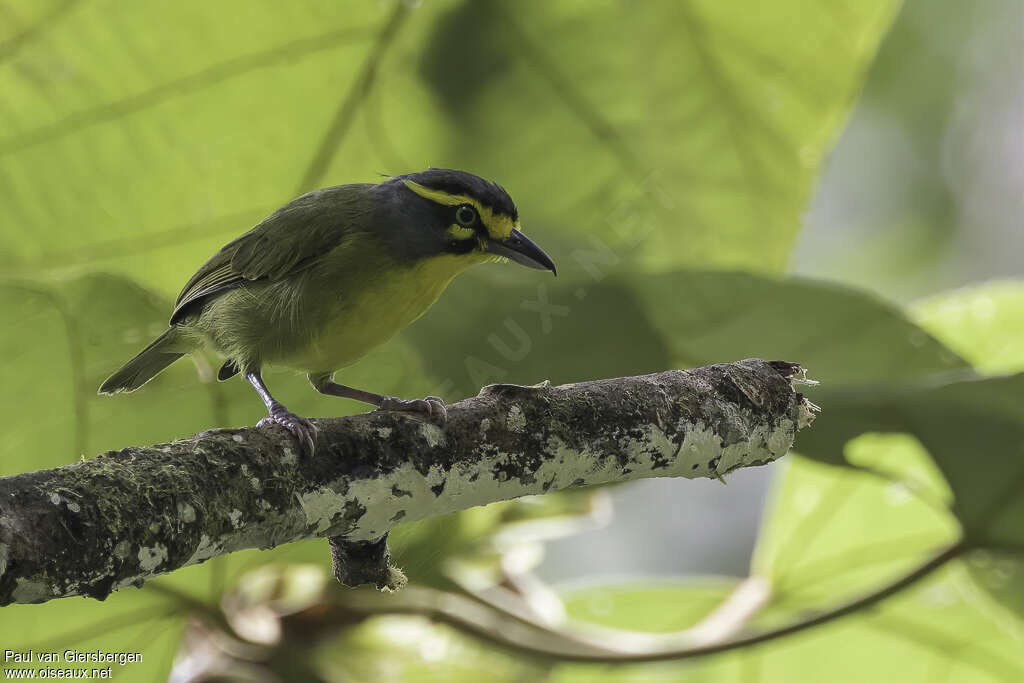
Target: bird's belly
column 365, row 319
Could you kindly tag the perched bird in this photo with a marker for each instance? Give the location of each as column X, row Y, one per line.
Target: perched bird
column 329, row 276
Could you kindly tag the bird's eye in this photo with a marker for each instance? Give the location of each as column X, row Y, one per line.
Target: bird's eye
column 465, row 215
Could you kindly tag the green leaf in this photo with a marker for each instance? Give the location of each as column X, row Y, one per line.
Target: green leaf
column 129, row 622
column 834, row 533
column 833, row 528
column 1001, row 574
column 655, row 607
column 494, row 326
column 170, row 142
column 841, row 335
column 65, row 337
column 984, row 324
column 649, row 606
column 676, row 319
column 947, row 443
column 972, row 428
column 972, row 431
column 414, row 649
column 697, row 137
column 61, row 339
column 693, row 134
column 938, row 630
column 934, row 632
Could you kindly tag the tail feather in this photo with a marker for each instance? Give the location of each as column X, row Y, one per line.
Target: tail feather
column 145, row 366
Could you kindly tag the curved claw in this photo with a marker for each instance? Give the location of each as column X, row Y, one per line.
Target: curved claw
column 431, row 407
column 303, row 430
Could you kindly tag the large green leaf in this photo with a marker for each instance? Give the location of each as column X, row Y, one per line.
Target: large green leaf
column 972, row 428
column 834, row 533
column 936, row 632
column 838, row 531
column 680, row 319
column 653, row 607
column 694, row 132
column 984, row 324
column 64, row 337
column 820, row 514
column 692, row 128
column 143, row 623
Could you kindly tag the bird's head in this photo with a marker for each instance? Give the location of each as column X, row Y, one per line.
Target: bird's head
column 445, row 212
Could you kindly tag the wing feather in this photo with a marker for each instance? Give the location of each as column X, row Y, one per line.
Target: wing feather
column 288, row 241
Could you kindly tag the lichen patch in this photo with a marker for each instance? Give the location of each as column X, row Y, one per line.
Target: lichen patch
column 781, row 439
column 515, row 421
column 122, row 550
column 321, row 506
column 186, row 513
column 204, row 551
column 807, row 412
column 433, row 434
column 151, row 558
column 26, row 590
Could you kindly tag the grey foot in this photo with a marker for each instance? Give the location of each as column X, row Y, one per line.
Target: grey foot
column 303, row 429
column 430, row 407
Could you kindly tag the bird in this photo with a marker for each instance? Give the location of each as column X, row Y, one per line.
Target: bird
column 330, row 276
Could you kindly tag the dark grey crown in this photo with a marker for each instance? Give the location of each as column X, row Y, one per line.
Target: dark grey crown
column 459, row 182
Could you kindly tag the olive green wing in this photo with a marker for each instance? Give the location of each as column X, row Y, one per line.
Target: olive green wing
column 288, row 241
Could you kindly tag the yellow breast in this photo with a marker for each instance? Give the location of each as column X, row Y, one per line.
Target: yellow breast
column 385, row 301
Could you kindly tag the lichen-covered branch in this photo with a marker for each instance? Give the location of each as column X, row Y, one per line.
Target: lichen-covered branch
column 126, row 516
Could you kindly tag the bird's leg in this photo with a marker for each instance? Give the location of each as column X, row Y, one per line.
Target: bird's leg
column 431, row 407
column 303, row 429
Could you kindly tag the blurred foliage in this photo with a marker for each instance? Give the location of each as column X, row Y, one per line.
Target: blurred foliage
column 663, row 154
column 169, row 140
column 921, row 193
column 681, row 318
column 984, row 324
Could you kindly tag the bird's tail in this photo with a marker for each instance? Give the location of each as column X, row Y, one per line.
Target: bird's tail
column 151, row 360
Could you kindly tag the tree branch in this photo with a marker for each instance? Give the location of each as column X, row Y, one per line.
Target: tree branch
column 126, row 516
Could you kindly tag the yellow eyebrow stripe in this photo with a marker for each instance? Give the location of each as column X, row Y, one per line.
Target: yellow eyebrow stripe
column 498, row 226
column 440, row 196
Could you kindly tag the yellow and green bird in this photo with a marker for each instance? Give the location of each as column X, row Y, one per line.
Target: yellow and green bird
column 329, row 276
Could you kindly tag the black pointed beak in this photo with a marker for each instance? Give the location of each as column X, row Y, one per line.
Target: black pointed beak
column 521, row 249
